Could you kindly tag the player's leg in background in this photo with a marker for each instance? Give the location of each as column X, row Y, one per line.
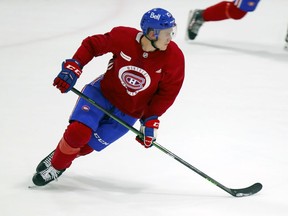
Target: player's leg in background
column 221, row 11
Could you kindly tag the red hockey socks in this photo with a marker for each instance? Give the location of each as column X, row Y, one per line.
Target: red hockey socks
column 76, row 136
column 221, row 11
column 85, row 150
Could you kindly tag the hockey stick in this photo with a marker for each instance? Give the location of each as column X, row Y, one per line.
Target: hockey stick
column 242, row 192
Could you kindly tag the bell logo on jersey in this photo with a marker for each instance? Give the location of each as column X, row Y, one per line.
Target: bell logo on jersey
column 134, row 79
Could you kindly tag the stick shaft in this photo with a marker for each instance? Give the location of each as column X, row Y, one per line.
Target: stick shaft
column 157, row 145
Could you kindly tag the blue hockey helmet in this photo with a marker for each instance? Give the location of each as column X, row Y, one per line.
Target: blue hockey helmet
column 156, row 20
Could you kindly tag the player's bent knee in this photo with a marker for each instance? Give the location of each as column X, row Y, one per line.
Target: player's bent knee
column 77, row 134
column 239, row 16
column 235, row 13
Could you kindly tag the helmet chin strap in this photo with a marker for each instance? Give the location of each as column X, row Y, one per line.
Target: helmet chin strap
column 152, row 42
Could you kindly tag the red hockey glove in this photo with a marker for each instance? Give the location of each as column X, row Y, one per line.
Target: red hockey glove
column 149, row 128
column 66, row 79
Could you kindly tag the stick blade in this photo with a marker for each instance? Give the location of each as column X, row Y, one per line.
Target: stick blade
column 253, row 189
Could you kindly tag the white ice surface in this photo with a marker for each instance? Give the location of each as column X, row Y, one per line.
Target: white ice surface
column 230, row 119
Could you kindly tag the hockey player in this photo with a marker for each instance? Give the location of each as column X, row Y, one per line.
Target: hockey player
column 142, row 81
column 236, row 10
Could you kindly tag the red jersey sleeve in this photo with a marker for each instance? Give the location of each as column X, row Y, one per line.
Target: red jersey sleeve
column 94, row 46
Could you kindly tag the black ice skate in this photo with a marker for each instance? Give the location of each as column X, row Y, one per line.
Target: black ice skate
column 195, row 21
column 45, row 176
column 45, row 163
column 45, row 172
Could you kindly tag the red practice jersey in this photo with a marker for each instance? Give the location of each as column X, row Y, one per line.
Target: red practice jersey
column 139, row 83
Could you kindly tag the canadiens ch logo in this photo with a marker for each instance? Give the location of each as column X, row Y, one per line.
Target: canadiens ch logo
column 85, row 108
column 134, row 79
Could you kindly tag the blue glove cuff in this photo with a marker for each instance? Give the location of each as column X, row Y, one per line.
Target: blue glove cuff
column 73, row 60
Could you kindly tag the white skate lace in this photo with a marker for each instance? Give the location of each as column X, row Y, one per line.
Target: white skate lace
column 47, row 160
column 50, row 173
